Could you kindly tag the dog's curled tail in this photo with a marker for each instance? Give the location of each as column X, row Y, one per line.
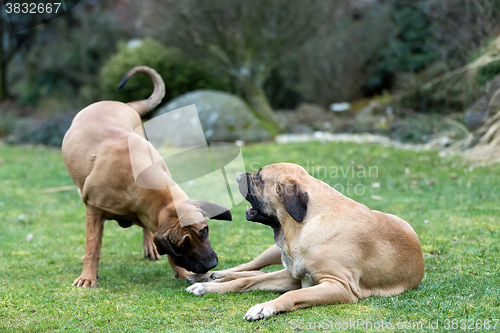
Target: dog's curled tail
column 146, row 105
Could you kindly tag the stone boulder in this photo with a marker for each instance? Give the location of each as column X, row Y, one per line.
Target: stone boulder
column 224, row 117
column 486, row 106
column 307, row 118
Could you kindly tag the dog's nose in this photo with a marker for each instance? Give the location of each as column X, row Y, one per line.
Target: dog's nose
column 212, row 264
column 239, row 178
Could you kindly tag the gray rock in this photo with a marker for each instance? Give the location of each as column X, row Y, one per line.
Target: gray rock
column 224, row 117
column 475, row 114
column 486, row 106
column 307, row 118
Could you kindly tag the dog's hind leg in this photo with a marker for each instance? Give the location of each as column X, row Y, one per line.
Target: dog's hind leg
column 328, row 292
column 150, row 250
column 271, row 256
column 95, row 229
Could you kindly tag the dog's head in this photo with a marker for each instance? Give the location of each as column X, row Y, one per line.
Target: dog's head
column 189, row 245
column 273, row 190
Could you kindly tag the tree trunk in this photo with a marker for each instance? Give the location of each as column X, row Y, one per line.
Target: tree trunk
column 255, row 96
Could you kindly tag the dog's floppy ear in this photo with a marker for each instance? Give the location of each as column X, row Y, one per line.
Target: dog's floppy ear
column 294, row 197
column 213, row 211
column 163, row 244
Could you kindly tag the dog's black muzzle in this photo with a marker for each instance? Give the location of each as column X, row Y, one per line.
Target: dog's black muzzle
column 247, row 189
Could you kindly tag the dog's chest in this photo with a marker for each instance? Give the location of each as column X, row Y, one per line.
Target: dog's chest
column 297, row 268
column 287, row 261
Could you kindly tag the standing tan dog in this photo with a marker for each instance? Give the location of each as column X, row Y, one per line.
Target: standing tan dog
column 334, row 249
column 96, row 154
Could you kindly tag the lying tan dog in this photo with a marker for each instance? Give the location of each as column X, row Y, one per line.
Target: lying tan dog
column 334, row 249
column 96, row 154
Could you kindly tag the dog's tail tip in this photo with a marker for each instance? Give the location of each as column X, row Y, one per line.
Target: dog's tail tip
column 144, row 106
column 123, row 82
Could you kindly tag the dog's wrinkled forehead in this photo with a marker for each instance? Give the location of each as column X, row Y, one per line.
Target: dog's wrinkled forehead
column 192, row 229
column 278, row 185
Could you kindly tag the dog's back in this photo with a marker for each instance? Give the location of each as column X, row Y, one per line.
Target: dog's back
column 105, row 126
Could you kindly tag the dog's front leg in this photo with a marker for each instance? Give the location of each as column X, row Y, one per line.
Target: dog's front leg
column 327, row 292
column 95, row 229
column 150, row 250
column 280, row 281
column 180, row 273
column 271, row 256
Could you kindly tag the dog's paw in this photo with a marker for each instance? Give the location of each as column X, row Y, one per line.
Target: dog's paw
column 150, row 251
column 219, row 276
column 259, row 311
column 181, row 274
column 197, row 289
column 84, row 282
column 226, row 276
column 198, row 277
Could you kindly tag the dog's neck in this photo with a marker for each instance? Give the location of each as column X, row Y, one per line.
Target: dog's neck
column 167, row 218
column 156, row 206
column 287, row 231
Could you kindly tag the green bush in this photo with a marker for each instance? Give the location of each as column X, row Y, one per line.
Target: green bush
column 7, row 122
column 281, row 89
column 179, row 73
column 414, row 92
column 488, row 72
column 410, row 48
column 48, row 132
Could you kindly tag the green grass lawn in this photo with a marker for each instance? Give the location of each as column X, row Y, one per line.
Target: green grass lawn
column 453, row 208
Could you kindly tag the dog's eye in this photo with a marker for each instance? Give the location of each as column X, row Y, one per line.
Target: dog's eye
column 204, row 232
column 184, row 246
column 258, row 178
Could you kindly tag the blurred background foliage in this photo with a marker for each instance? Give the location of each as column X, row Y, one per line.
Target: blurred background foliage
column 276, row 55
column 180, row 73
